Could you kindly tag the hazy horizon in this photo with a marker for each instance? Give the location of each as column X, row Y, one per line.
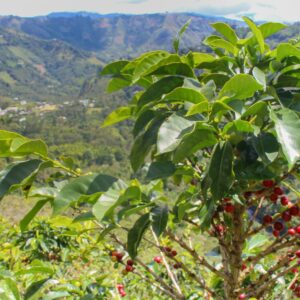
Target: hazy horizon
column 259, row 10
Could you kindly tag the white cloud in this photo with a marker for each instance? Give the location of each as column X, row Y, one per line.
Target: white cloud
column 280, row 10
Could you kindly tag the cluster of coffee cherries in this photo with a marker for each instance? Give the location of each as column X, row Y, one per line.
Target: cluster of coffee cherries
column 275, row 193
column 120, row 288
column 170, row 253
column 128, row 267
column 116, row 256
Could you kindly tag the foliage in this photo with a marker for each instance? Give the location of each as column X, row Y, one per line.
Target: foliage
column 223, row 127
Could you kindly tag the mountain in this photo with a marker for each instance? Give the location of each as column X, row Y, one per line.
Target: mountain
column 52, row 57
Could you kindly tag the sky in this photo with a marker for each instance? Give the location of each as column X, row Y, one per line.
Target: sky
column 268, row 10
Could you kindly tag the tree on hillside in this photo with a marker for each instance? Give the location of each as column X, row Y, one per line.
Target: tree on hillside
column 221, row 130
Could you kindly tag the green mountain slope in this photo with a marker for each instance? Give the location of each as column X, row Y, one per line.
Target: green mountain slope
column 36, row 69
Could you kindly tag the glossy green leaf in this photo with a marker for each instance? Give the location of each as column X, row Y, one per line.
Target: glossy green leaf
column 219, row 176
column 114, row 68
column 170, row 133
column 175, row 68
column 241, row 86
column 270, row 28
column 144, row 143
column 32, row 213
column 34, row 288
column 198, row 108
column 199, row 137
column 199, row 58
column 36, row 270
column 285, row 50
column 160, row 169
column 25, row 147
column 183, row 94
column 258, row 108
column 8, row 135
column 118, row 115
column 16, row 173
column 179, row 35
column 83, row 187
column 266, row 146
column 238, row 126
column 220, row 43
column 159, row 219
column 10, row 289
column 257, row 33
column 159, row 88
column 148, row 61
column 118, row 83
column 260, row 76
column 287, row 127
column 87, row 216
column 56, row 295
column 226, row 31
column 136, row 233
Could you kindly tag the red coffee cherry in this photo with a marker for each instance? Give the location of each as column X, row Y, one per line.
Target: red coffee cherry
column 129, row 268
column 130, row 262
column 297, row 253
column 284, row 200
column 292, row 231
column 229, row 208
column 298, row 229
column 242, row 296
column 267, row 219
column 278, row 226
column 174, row 253
column 294, row 210
column 268, row 183
column 273, row 197
column 167, row 249
column 157, row 259
column 286, row 216
column 276, row 233
column 278, row 191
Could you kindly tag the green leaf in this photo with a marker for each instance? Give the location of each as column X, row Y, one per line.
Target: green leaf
column 56, row 295
column 266, row 146
column 260, row 76
column 198, row 108
column 13, row 288
column 184, row 94
column 160, row 169
column 84, row 187
column 16, row 173
column 285, row 50
column 199, row 58
column 170, row 133
column 238, row 126
column 159, row 88
column 217, row 42
column 32, row 213
column 36, row 270
column 35, row 288
column 8, row 135
column 149, row 60
column 176, row 68
column 254, row 244
column 179, row 35
column 268, row 29
column 136, row 233
column 118, row 83
column 287, row 126
column 226, row 31
column 257, row 33
column 144, row 143
column 87, row 216
column 114, row 68
column 219, row 176
column 199, row 137
column 159, row 219
column 241, row 86
column 118, row 115
column 257, row 109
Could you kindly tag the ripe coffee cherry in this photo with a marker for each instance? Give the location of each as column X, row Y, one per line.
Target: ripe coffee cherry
column 294, row 210
column 177, row 266
column 292, row 231
column 229, row 208
column 226, row 199
column 120, row 286
column 284, row 200
column 243, row 267
column 193, row 181
column 298, row 229
column 286, row 216
column 267, row 219
column 219, row 229
column 157, row 259
column 129, row 268
column 278, row 191
column 122, row 293
column 276, row 233
column 174, row 253
column 242, row 296
column 273, row 197
column 268, row 183
column 297, row 253
column 167, row 249
column 278, row 226
column 130, row 262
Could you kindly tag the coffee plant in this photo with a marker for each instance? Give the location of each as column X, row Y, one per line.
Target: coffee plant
column 215, row 212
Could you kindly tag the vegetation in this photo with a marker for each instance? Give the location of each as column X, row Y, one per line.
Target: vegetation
column 214, row 213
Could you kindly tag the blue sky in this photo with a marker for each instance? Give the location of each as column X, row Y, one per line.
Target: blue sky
column 277, row 10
